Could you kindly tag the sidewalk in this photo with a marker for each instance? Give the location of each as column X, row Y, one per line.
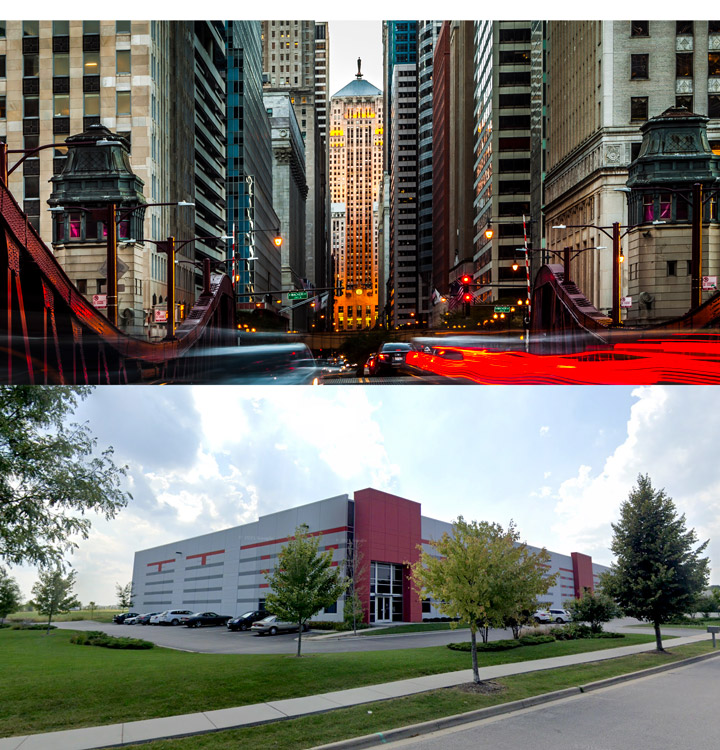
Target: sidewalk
column 117, row 735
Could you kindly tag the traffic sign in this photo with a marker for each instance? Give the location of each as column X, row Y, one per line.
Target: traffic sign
column 502, row 308
column 161, row 316
column 99, row 301
column 709, row 283
column 625, row 301
column 297, row 295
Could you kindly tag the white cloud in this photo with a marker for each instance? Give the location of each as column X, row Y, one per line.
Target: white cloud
column 544, row 430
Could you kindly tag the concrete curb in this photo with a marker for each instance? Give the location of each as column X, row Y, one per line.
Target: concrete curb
column 414, row 730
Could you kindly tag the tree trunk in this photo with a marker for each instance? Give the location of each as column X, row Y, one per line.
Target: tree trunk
column 299, row 637
column 49, row 621
column 473, row 650
column 658, row 636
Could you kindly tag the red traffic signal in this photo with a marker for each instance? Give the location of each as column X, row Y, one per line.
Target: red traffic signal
column 467, row 297
column 466, row 279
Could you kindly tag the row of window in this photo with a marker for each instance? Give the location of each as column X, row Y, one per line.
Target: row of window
column 682, row 28
column 639, row 106
column 640, row 65
column 62, row 28
column 61, row 105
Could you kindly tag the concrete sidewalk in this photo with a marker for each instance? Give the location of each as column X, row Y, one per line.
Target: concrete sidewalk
column 117, row 735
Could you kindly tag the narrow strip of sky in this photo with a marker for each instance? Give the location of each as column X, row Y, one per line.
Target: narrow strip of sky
column 348, row 41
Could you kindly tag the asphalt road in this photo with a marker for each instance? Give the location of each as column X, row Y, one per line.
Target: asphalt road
column 672, row 710
column 219, row 640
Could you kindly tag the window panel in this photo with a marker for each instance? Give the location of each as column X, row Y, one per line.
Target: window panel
column 638, row 108
column 91, row 63
column 61, row 105
column 122, row 27
column 639, row 67
column 31, row 65
column 61, row 65
column 91, row 105
column 639, row 28
column 61, row 28
column 123, row 103
column 123, row 61
column 684, row 65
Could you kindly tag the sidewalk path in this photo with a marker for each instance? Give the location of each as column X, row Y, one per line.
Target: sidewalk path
column 117, row 735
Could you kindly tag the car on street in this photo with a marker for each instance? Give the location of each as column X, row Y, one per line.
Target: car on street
column 391, row 356
column 171, row 617
column 120, row 619
column 145, row 619
column 131, row 620
column 552, row 615
column 206, row 618
column 245, row 620
column 370, row 364
column 270, row 625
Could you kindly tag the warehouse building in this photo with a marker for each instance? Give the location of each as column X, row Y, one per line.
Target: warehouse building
column 225, row 570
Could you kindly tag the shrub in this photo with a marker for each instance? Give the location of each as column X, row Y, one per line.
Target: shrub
column 571, row 631
column 325, row 625
column 503, row 645
column 31, row 626
column 98, row 638
column 534, row 640
column 5, row 625
column 604, row 634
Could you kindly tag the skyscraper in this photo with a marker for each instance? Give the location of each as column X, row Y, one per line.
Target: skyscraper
column 356, row 152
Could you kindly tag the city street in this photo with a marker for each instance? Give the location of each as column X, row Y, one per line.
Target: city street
column 674, row 709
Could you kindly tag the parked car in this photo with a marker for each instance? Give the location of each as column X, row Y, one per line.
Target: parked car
column 551, row 615
column 391, row 356
column 131, row 620
column 206, row 618
column 272, row 626
column 245, row 620
column 171, row 617
column 145, row 619
column 120, row 619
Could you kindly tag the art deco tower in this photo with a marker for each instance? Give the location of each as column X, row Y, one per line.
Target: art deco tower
column 356, row 164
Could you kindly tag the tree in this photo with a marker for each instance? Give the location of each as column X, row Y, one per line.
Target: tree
column 303, row 582
column 125, row 595
column 10, row 596
column 593, row 607
column 355, row 570
column 658, row 571
column 50, row 475
column 705, row 603
column 483, row 575
column 53, row 593
column 92, row 607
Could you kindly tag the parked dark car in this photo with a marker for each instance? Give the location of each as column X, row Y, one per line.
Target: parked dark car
column 391, row 356
column 206, row 618
column 120, row 619
column 244, row 621
column 145, row 619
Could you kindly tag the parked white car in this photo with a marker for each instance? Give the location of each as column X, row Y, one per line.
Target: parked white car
column 552, row 615
column 171, row 617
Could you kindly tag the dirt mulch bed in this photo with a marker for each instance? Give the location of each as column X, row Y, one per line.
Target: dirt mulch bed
column 486, row 687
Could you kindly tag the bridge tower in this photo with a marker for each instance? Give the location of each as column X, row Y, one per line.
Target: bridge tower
column 674, row 156
column 96, row 177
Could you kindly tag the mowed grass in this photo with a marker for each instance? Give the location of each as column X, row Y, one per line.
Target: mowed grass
column 51, row 684
column 98, row 615
column 371, row 718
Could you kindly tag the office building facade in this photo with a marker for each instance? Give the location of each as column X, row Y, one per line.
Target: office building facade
column 226, row 570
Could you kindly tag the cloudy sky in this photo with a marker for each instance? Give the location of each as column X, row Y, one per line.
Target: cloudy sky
column 556, row 460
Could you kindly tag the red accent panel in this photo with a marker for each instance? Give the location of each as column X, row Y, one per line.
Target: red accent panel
column 426, row 541
column 582, row 569
column 160, row 564
column 264, row 585
column 288, row 538
column 266, row 570
column 265, row 557
column 205, row 555
column 388, row 529
column 334, row 565
column 567, row 570
column 331, row 546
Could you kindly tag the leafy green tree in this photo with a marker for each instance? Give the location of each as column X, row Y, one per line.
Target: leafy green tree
column 304, row 581
column 10, row 596
column 483, row 575
column 50, row 475
column 658, row 570
column 92, row 607
column 53, row 593
column 594, row 608
column 125, row 595
column 705, row 603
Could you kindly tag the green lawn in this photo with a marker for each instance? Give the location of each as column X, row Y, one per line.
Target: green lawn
column 57, row 685
column 416, row 627
column 309, row 731
column 99, row 615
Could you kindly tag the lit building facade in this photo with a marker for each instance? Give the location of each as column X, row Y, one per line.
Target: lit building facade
column 225, row 570
column 355, row 172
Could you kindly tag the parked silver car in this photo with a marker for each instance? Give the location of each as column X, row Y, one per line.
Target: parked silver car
column 272, row 626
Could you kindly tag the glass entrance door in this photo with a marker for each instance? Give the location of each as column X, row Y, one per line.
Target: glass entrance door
column 383, row 609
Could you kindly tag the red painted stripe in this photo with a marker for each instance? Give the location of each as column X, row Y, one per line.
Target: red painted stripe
column 265, row 557
column 160, row 563
column 267, row 570
column 426, row 541
column 333, row 564
column 288, row 538
column 567, row 570
column 264, row 585
column 205, row 555
column 331, row 546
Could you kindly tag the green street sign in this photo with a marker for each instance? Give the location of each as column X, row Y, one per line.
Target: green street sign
column 302, row 295
column 502, row 308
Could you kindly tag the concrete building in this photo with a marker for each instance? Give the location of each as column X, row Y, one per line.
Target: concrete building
column 502, row 157
column 225, row 570
column 355, row 171
column 290, row 191
column 250, row 216
column 403, row 289
column 604, row 80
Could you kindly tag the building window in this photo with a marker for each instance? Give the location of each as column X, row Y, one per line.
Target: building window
column 648, row 207
column 684, row 65
column 639, row 28
column 122, row 65
column 713, row 105
column 122, row 27
column 639, row 65
column 61, row 65
column 30, row 28
column 684, row 28
column 91, row 27
column 714, row 63
column 31, row 65
column 684, row 101
column 672, row 268
column 123, row 103
column 2, row 29
column 31, row 106
column 3, row 107
column 61, row 28
column 713, row 27
column 2, row 66
column 61, row 105
column 91, row 63
column 638, row 108
column 91, row 104
column 331, row 610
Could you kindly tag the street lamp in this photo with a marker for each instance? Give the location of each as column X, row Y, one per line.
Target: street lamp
column 6, row 170
column 113, row 215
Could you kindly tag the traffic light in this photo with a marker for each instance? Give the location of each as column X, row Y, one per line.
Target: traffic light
column 466, row 293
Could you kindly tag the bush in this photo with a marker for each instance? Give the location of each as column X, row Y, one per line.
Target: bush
column 5, row 625
column 503, row 645
column 605, row 634
column 31, row 626
column 534, row 640
column 325, row 625
column 98, row 638
column 571, row 631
